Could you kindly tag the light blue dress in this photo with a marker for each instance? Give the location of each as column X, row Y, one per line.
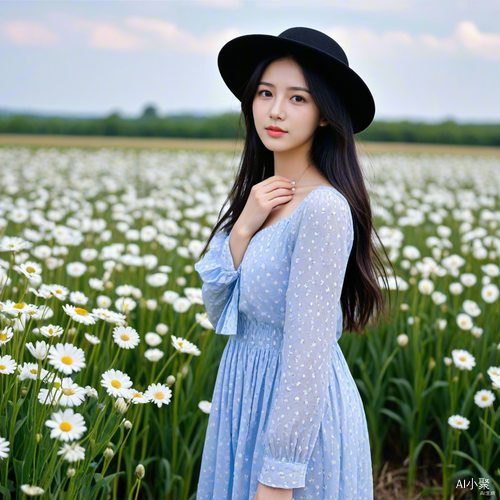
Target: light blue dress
column 286, row 410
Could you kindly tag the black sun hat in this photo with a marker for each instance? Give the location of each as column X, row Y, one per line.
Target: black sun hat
column 239, row 57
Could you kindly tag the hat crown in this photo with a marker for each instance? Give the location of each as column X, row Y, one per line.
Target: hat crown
column 317, row 40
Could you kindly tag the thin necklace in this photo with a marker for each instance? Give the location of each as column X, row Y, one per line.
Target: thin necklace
column 294, row 182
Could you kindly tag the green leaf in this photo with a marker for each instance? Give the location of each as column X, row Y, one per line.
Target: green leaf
column 5, row 492
column 435, row 385
column 394, row 416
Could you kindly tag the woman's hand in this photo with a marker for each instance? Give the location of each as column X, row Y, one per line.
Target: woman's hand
column 264, row 196
column 269, row 493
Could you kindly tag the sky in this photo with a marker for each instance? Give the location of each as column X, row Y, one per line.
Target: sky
column 427, row 60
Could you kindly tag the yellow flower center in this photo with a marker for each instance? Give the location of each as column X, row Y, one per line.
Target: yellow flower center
column 180, row 343
column 137, row 396
column 125, row 337
column 68, row 391
column 2, row 367
column 67, row 360
column 59, row 291
column 459, row 422
column 19, row 306
column 462, row 358
column 159, row 395
column 81, row 311
column 3, row 337
column 33, row 370
column 116, row 384
column 485, row 398
column 31, row 269
column 65, row 426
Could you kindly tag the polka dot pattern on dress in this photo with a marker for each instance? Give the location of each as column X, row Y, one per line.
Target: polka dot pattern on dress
column 286, row 411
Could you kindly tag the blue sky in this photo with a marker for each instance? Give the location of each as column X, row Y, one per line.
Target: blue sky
column 425, row 59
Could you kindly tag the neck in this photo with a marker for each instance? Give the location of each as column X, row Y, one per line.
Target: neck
column 293, row 163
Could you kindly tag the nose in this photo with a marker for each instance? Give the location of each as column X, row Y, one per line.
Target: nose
column 277, row 110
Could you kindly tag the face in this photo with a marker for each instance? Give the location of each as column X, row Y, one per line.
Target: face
column 283, row 100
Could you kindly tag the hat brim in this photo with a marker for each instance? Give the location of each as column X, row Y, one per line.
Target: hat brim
column 239, row 57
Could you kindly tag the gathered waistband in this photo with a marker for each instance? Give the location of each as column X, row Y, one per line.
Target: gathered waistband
column 257, row 334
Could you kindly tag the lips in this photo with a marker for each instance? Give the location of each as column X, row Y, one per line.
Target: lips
column 277, row 129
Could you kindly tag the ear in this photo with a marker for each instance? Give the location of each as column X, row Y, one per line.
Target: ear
column 323, row 122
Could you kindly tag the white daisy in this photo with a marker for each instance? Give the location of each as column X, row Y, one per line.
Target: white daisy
column 7, row 365
column 153, row 339
column 29, row 269
column 126, row 337
column 72, row 452
column 49, row 396
column 116, row 383
column 4, row 448
column 484, row 398
column 125, row 304
column 490, row 293
column 471, row 308
column 51, row 331
column 185, row 346
column 464, row 321
column 20, row 310
column 90, row 392
column 459, row 422
column 78, row 298
column 153, row 355
column 76, row 269
column 5, row 335
column 205, row 406
column 66, row 425
column 72, row 393
column 79, row 314
column 40, row 350
column 109, row 316
column 495, row 380
column 14, row 244
column 30, row 370
column 92, row 338
column 59, row 291
column 463, row 359
column 32, row 491
column 137, row 397
column 159, row 394
column 67, row 358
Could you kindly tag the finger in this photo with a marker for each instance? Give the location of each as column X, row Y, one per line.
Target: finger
column 276, row 193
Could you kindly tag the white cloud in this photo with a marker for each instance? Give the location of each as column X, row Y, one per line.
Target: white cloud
column 178, row 39
column 28, row 33
column 466, row 40
column 110, row 37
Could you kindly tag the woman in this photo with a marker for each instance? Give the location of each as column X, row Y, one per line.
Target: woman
column 292, row 267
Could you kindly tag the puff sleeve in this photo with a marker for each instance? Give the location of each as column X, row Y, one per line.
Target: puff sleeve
column 220, row 289
column 317, row 268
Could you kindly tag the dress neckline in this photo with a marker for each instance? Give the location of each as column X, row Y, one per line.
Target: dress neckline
column 296, row 210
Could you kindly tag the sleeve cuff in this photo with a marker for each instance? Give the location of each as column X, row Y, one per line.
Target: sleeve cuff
column 279, row 474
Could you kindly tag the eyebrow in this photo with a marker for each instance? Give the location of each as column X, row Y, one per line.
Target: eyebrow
column 289, row 88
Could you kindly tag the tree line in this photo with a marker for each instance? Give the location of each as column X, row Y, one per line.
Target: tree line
column 225, row 126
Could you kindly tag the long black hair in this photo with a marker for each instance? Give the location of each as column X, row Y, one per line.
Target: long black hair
column 333, row 152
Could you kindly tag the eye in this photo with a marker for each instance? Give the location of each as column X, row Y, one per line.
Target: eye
column 299, row 96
